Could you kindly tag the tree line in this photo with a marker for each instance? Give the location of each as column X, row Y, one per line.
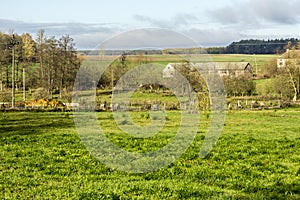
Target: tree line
column 251, row 46
column 275, row 46
column 43, row 62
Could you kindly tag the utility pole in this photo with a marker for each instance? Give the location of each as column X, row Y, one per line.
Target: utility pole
column 255, row 64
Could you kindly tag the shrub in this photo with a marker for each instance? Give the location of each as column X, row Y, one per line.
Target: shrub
column 67, row 95
column 40, row 93
column 5, row 95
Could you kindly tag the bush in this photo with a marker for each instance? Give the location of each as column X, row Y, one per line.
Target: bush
column 67, row 95
column 40, row 93
column 5, row 96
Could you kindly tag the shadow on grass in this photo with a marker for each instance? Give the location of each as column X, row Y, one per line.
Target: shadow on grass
column 32, row 123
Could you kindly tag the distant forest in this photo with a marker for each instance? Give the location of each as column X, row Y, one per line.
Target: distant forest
column 251, row 46
column 275, row 46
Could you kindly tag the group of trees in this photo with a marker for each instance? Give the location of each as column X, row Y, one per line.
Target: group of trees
column 252, row 46
column 241, row 85
column 285, row 80
column 40, row 62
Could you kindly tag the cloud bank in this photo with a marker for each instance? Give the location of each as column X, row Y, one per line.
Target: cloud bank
column 218, row 26
column 86, row 35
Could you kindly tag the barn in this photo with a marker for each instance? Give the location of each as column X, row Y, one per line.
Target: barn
column 223, row 68
column 234, row 69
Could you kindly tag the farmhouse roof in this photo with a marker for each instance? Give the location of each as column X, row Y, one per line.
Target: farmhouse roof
column 216, row 65
column 226, row 65
column 176, row 64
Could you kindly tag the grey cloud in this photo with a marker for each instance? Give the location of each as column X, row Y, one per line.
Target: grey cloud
column 146, row 19
column 223, row 37
column 150, row 38
column 55, row 28
column 225, row 15
column 89, row 36
column 90, row 41
column 179, row 20
column 86, row 36
column 277, row 11
column 191, row 26
column 160, row 38
column 214, row 37
column 257, row 12
column 155, row 38
column 184, row 19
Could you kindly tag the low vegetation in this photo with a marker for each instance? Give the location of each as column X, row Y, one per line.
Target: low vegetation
column 257, row 157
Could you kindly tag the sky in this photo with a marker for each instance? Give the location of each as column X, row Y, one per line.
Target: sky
column 207, row 22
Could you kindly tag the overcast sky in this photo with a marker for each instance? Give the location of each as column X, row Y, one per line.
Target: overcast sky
column 208, row 22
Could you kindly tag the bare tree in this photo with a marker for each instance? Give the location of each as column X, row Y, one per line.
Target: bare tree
column 28, row 55
column 41, row 48
column 13, row 44
column 292, row 70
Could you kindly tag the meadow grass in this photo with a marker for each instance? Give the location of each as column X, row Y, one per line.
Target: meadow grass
column 257, row 157
column 260, row 60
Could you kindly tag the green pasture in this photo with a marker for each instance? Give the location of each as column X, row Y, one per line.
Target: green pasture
column 254, row 60
column 256, row 157
column 258, row 62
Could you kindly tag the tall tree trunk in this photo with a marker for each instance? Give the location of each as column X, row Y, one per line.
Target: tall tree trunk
column 13, row 80
column 61, row 85
column 1, row 83
column 41, row 69
column 295, row 91
column 7, row 74
column 49, row 83
column 294, row 84
column 24, row 85
column 17, row 76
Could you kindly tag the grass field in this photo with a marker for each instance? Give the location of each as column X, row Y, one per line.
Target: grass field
column 259, row 61
column 257, row 157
